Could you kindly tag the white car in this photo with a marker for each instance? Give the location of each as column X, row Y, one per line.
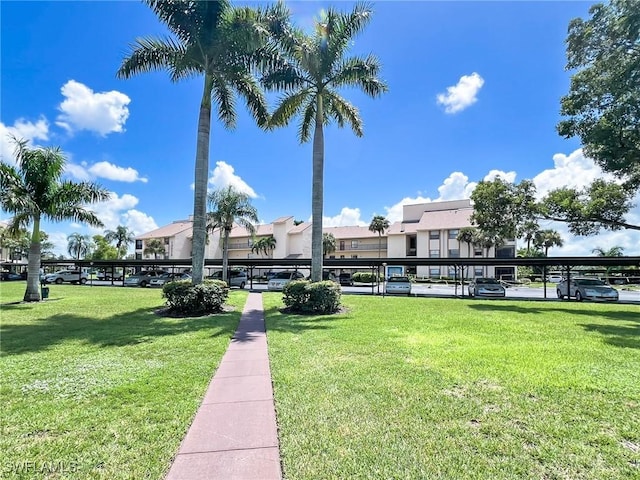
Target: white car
column 71, row 276
column 587, row 289
column 280, row 279
column 398, row 285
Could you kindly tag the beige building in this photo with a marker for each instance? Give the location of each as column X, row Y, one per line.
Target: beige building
column 427, row 230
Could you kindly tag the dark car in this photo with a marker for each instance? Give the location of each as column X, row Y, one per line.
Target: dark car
column 345, row 279
column 11, row 276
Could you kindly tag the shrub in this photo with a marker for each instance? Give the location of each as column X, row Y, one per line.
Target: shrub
column 188, row 299
column 302, row 296
column 365, row 277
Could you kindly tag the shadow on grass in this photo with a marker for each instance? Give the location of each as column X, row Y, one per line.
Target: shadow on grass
column 624, row 335
column 278, row 321
column 130, row 328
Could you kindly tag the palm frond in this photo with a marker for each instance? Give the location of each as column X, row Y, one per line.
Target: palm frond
column 224, row 99
column 338, row 107
column 345, row 28
column 152, row 54
column 286, row 77
column 361, row 72
column 248, row 88
column 288, row 107
column 308, row 120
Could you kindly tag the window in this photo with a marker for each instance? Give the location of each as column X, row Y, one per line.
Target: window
column 477, row 251
column 478, row 271
column 342, row 245
column 139, row 245
column 138, row 256
column 506, row 252
column 434, row 253
column 250, row 242
column 434, row 235
column 453, row 234
column 434, row 271
column 341, row 256
column 354, row 256
column 452, row 271
column 454, row 253
column 332, row 256
column 354, row 243
column 166, row 240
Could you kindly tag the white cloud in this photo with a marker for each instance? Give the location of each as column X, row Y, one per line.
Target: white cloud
column 394, row 212
column 110, row 212
column 224, row 175
column 346, row 217
column 461, row 95
column 84, row 172
column 455, row 187
column 139, row 222
column 23, row 130
column 506, row 176
column 82, row 109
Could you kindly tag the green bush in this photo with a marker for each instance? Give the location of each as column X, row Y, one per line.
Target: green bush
column 302, row 296
column 365, row 277
column 188, row 299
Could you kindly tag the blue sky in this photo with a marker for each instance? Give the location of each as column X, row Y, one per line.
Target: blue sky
column 474, row 91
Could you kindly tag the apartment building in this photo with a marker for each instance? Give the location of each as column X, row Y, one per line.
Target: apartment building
column 427, row 230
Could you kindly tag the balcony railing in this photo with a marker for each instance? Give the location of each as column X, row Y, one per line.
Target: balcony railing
column 239, row 246
column 362, row 246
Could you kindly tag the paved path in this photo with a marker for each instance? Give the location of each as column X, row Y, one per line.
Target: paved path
column 234, row 434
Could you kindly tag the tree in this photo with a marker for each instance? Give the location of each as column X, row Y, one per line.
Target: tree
column 34, row 191
column 378, row 225
column 228, row 206
column 103, row 249
column 78, row 245
column 122, row 237
column 528, row 232
column 329, row 244
column 616, row 251
column 268, row 244
column 487, row 240
column 315, row 70
column 548, row 238
column 154, row 247
column 468, row 235
column 603, row 103
column 221, row 43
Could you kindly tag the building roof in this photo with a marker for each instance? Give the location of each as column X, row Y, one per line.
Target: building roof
column 400, row 228
column 300, row 228
column 281, row 219
column 261, row 231
column 350, row 232
column 445, row 219
column 168, row 230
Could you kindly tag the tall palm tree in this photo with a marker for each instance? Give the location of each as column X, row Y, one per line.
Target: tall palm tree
column 529, row 231
column 228, row 207
column 34, row 191
column 378, row 225
column 154, row 247
column 79, row 245
column 220, row 43
column 329, row 244
column 467, row 235
column 548, row 238
column 316, row 68
column 122, row 237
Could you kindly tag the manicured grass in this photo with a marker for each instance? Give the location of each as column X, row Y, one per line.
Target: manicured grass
column 446, row 389
column 95, row 384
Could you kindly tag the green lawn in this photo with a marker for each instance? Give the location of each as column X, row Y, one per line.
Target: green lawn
column 98, row 386
column 415, row 388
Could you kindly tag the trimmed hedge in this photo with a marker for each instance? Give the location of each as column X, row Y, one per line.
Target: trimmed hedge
column 302, row 296
column 365, row 277
column 188, row 299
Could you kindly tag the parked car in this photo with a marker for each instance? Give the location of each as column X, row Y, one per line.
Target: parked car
column 486, row 287
column 11, row 276
column 555, row 278
column 235, row 278
column 587, row 289
column 345, row 279
column 168, row 277
column 326, row 275
column 71, row 276
column 398, row 285
column 280, row 279
column 109, row 274
column 143, row 278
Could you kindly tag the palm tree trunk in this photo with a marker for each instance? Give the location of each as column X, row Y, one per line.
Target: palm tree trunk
column 379, row 244
column 317, row 195
column 200, row 187
column 225, row 253
column 32, row 293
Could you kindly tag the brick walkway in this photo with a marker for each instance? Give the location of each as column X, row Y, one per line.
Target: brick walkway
column 234, row 434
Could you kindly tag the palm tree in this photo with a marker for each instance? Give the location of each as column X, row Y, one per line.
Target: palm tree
column 258, row 246
column 329, row 244
column 316, row 68
column 612, row 252
column 487, row 240
column 378, row 225
column 79, row 245
column 122, row 237
column 268, row 244
column 529, row 231
column 547, row 239
column 467, row 235
column 154, row 247
column 221, row 43
column 35, row 191
column 228, row 207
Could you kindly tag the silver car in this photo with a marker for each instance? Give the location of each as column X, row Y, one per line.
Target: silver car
column 71, row 276
column 486, row 287
column 280, row 279
column 142, row 278
column 168, row 277
column 398, row 285
column 235, row 278
column 587, row 289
